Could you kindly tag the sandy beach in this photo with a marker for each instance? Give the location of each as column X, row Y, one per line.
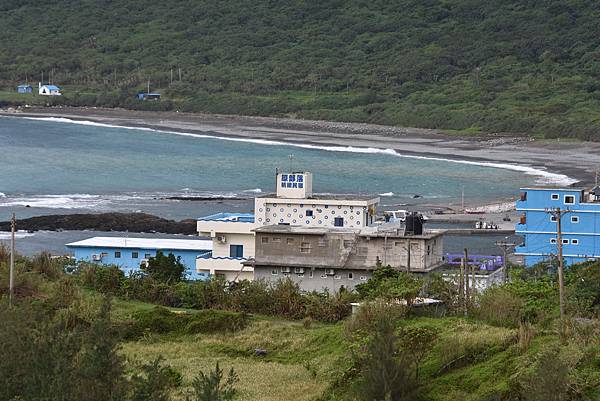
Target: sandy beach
column 576, row 160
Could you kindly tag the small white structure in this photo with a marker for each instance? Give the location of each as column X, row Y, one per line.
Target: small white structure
column 48, row 90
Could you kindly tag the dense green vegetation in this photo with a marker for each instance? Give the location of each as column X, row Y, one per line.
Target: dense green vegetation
column 64, row 337
column 469, row 65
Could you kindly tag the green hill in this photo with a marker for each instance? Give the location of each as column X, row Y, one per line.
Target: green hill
column 469, row 65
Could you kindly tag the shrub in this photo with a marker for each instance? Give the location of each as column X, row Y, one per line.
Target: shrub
column 215, row 321
column 212, row 386
column 105, row 279
column 154, row 382
column 499, row 307
column 165, row 268
column 161, row 321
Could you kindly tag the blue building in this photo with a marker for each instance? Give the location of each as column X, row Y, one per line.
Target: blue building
column 24, row 89
column 148, row 96
column 131, row 253
column 580, row 224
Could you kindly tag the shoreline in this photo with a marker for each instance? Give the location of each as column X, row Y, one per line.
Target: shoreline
column 510, row 152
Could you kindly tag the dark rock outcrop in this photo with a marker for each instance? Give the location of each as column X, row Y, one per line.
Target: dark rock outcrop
column 132, row 222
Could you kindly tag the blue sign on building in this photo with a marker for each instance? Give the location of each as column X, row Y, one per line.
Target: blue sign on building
column 580, row 224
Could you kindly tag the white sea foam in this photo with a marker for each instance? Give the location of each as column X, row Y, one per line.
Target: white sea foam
column 544, row 177
column 18, row 234
column 69, row 201
column 2, row 195
column 255, row 190
column 387, row 194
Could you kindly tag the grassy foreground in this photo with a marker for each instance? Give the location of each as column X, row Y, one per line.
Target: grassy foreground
column 302, row 360
column 470, row 360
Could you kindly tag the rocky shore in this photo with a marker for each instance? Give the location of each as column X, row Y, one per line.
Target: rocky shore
column 131, row 222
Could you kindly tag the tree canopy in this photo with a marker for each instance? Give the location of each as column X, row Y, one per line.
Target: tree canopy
column 471, row 65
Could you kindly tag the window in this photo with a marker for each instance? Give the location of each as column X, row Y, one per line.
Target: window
column 575, row 241
column 350, row 276
column 553, row 218
column 276, row 239
column 274, row 272
column 574, row 219
column 553, row 240
column 523, row 196
column 134, row 255
column 264, row 240
column 428, row 249
column 117, row 254
column 310, row 273
column 565, row 241
column 104, row 254
column 309, row 213
column 236, row 251
column 147, row 256
column 305, row 247
column 289, row 241
column 569, row 199
column 398, row 243
column 338, row 222
column 554, row 196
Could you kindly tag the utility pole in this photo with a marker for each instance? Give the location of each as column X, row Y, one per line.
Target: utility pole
column 171, row 77
column 557, row 214
column 505, row 245
column 408, row 255
column 148, row 86
column 463, row 199
column 180, row 74
column 467, row 291
column 11, row 280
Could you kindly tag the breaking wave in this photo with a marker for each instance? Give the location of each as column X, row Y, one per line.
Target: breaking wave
column 543, row 175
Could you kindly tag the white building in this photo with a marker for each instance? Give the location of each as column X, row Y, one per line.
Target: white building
column 232, row 245
column 48, row 90
column 293, row 204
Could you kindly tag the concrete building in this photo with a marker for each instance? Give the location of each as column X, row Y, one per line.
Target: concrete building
column 580, row 224
column 49, row 90
column 319, row 258
column 24, row 89
column 294, row 203
column 232, row 244
column 131, row 253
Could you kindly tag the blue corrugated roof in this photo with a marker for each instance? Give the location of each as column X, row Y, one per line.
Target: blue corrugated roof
column 52, row 87
column 24, row 86
column 231, row 217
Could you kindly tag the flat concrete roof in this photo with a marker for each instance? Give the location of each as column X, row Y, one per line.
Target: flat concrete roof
column 289, row 229
column 230, row 217
column 144, row 243
column 364, row 232
column 348, row 197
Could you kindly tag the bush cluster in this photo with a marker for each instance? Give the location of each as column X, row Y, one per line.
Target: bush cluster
column 283, row 298
column 161, row 320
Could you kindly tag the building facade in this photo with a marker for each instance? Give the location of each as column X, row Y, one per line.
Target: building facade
column 232, row 244
column 295, row 204
column 49, row 90
column 24, row 89
column 331, row 258
column 130, row 253
column 580, row 224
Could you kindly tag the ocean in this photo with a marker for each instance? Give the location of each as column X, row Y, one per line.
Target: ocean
column 58, row 166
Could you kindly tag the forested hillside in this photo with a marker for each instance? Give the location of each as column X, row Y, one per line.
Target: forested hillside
column 521, row 66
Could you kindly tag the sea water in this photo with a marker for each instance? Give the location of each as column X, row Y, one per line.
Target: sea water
column 57, row 166
column 61, row 166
